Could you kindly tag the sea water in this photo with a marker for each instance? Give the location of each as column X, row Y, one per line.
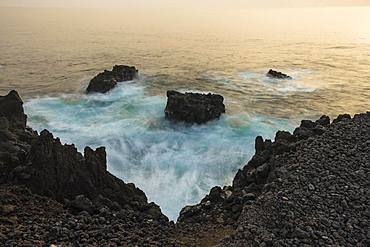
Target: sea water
column 49, row 56
column 175, row 164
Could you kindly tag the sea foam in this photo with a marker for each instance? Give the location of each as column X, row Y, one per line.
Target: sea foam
column 278, row 86
column 173, row 163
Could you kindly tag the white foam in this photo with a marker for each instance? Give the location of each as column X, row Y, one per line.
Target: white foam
column 174, row 164
column 296, row 84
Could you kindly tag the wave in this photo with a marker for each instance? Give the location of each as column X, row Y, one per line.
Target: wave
column 174, row 164
column 281, row 86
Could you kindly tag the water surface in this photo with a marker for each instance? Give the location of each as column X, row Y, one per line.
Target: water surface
column 49, row 55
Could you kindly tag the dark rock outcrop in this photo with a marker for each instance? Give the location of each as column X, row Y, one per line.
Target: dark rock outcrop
column 193, row 107
column 277, row 75
column 49, row 168
column 298, row 191
column 12, row 110
column 342, row 117
column 107, row 80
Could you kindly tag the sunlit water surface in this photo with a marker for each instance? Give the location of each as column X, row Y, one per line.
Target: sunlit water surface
column 49, row 55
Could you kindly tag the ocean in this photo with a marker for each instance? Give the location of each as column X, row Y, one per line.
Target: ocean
column 49, row 56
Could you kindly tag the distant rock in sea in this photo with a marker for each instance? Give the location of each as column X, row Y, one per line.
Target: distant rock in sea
column 107, row 80
column 277, row 75
column 193, row 107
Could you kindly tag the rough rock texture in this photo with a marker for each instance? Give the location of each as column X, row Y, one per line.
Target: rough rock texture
column 301, row 190
column 277, row 75
column 193, row 107
column 58, row 171
column 107, row 80
column 309, row 188
column 27, row 219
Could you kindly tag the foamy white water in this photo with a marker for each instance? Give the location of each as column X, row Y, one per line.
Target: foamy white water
column 174, row 164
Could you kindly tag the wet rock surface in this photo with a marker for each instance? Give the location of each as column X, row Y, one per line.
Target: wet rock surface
column 107, row 80
column 193, row 107
column 277, row 75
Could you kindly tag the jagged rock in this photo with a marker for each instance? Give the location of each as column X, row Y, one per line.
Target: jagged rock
column 277, row 75
column 193, row 107
column 323, row 121
column 12, row 110
column 49, row 168
column 261, row 169
column 285, row 136
column 308, row 124
column 342, row 117
column 107, row 80
column 259, row 144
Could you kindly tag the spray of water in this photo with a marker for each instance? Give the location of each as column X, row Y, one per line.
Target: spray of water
column 174, row 164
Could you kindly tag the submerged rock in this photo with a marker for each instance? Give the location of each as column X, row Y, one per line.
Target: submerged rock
column 277, row 75
column 194, row 107
column 107, row 80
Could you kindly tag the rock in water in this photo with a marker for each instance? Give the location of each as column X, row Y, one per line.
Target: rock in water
column 107, row 80
column 193, row 107
column 277, row 75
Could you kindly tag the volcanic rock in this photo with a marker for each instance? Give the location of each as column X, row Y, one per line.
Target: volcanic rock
column 311, row 191
column 312, row 194
column 277, row 75
column 193, row 107
column 49, row 168
column 107, row 80
column 342, row 117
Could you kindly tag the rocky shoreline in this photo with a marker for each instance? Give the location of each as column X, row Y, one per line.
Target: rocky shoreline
column 309, row 188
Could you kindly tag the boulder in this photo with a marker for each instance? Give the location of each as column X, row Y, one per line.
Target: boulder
column 82, row 203
column 107, row 80
column 193, row 107
column 277, row 75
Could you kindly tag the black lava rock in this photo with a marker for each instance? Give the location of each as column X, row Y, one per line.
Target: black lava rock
column 49, row 168
column 107, row 80
column 277, row 75
column 193, row 107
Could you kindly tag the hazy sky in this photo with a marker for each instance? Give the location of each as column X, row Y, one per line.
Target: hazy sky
column 181, row 3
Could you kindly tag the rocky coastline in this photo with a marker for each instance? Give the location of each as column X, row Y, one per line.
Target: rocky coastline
column 308, row 188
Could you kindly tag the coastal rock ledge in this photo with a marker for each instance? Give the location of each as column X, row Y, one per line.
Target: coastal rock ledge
column 193, row 107
column 107, row 80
